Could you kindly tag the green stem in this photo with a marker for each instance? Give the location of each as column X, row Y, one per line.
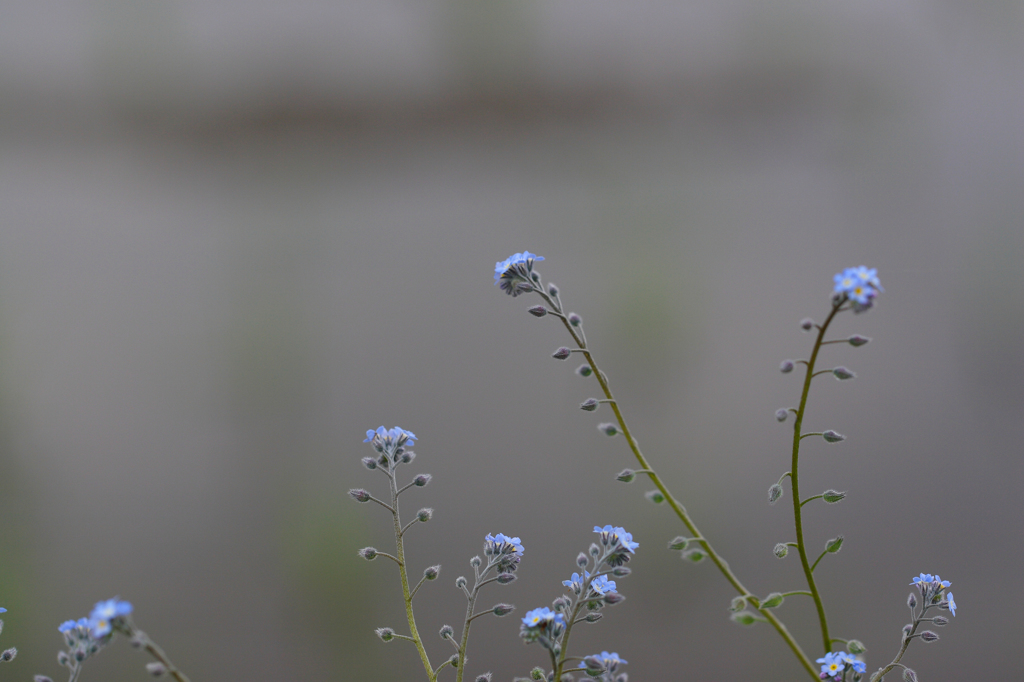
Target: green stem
column 153, row 650
column 675, row 505
column 794, row 479
column 406, row 593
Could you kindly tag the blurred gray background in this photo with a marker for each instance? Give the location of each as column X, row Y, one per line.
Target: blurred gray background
column 235, row 235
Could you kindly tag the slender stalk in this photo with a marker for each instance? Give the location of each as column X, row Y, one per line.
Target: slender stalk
column 141, row 638
column 794, row 480
column 674, row 504
column 882, row 672
column 406, row 593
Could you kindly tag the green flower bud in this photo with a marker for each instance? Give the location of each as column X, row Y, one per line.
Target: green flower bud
column 584, row 370
column 626, row 476
column 831, row 436
column 780, row 550
column 655, row 496
column 679, row 543
column 832, row 496
column 744, row 618
column 772, row 600
column 842, row 373
column 834, row 545
column 738, row 604
column 694, row 555
column 774, row 493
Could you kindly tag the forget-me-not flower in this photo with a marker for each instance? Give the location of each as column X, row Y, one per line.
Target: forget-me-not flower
column 832, row 664
column 601, row 584
column 105, row 613
column 514, row 274
column 950, row 603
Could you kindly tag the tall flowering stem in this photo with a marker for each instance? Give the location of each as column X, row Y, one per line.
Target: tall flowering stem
column 392, row 444
column 517, row 277
column 794, row 476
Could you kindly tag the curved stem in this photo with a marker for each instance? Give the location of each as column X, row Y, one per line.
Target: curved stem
column 794, row 479
column 676, row 506
column 155, row 651
column 406, row 593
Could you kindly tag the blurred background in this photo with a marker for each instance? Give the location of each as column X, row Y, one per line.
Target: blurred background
column 235, row 235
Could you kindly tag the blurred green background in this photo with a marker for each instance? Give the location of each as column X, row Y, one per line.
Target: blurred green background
column 235, row 235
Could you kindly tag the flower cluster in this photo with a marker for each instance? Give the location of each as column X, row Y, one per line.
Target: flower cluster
column 515, row 274
column 860, row 285
column 618, row 542
column 542, row 625
column 834, row 664
column 392, row 444
column 934, row 591
column 86, row 636
column 506, row 550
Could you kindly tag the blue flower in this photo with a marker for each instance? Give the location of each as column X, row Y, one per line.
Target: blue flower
column 575, row 583
column 515, row 274
column 67, row 626
column 387, row 437
column 506, row 550
column 832, row 664
column 104, row 614
column 950, row 603
column 542, row 618
column 611, row 660
column 860, row 285
column 601, row 584
column 923, row 578
column 858, row 666
column 943, row 584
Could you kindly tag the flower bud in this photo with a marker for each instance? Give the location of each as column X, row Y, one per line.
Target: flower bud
column 940, row 620
column 855, row 647
column 907, row 629
column 594, row 616
column 786, row 366
column 744, row 618
column 589, row 405
column 561, row 604
column 486, row 677
column 608, row 428
column 834, row 545
column 807, row 324
column 655, row 496
column 909, row 675
column 832, row 496
column 385, row 634
column 678, row 543
column 562, row 353
column 503, row 609
column 621, row 571
column 912, row 600
column 370, row 463
column 552, row 290
column 359, row 495
column 594, row 665
column 842, row 373
column 156, row 669
column 430, row 572
column 475, row 562
column 421, row 480
column 626, row 476
column 738, row 604
column 594, row 549
column 582, row 560
column 611, row 598
column 694, row 555
column 831, row 436
column 460, row 582
column 772, row 600
column 929, row 636
column 780, row 550
column 575, row 320
column 63, row 658
column 447, row 632
column 8, row 655
column 781, row 414
column 857, row 340
column 425, row 514
column 774, row 493
column 41, row 678
column 505, row 578
column 408, row 456
column 584, row 370
column 538, row 311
